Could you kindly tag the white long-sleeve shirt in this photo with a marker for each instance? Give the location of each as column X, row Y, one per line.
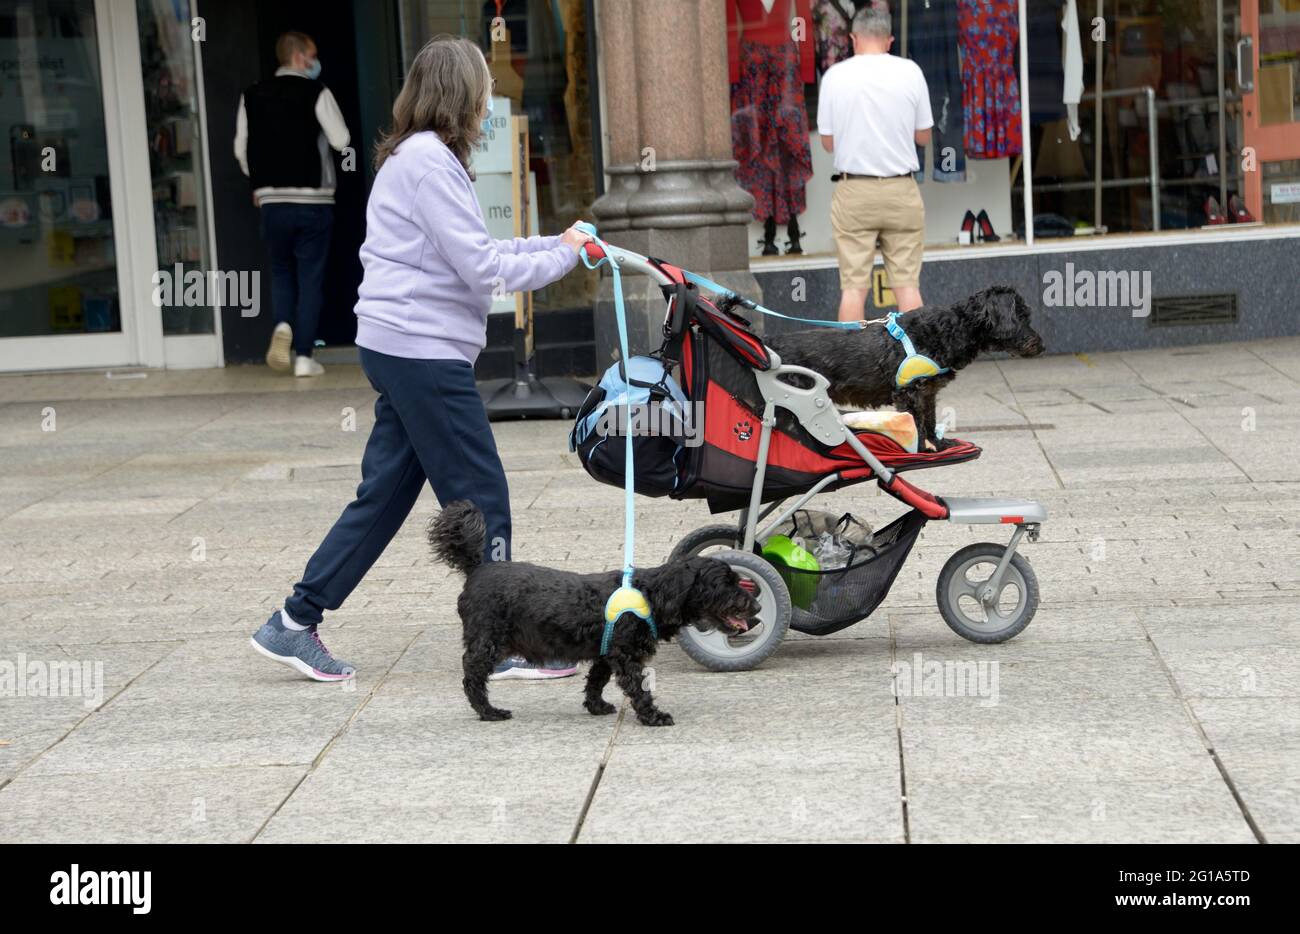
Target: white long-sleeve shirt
column 1072, row 55
column 334, row 133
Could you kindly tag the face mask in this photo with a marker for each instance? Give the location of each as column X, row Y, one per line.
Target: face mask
column 313, row 70
column 487, row 121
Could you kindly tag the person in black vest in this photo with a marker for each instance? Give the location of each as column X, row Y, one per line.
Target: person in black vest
column 283, row 134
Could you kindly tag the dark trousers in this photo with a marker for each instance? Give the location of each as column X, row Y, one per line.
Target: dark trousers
column 298, row 238
column 429, row 424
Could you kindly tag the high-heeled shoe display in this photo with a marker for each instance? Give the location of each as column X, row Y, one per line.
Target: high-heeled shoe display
column 1237, row 213
column 968, row 225
column 985, row 227
column 1213, row 214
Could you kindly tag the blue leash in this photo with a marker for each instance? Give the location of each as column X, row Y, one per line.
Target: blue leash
column 627, row 599
column 725, row 292
column 914, row 366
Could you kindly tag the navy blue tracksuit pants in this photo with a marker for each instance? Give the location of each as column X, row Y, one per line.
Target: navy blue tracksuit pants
column 298, row 238
column 429, row 424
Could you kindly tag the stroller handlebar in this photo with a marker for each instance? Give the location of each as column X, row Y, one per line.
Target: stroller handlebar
column 597, row 251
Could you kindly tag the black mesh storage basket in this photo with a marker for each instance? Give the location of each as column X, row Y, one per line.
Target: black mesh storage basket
column 844, row 596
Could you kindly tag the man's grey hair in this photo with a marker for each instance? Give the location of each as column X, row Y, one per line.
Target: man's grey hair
column 873, row 21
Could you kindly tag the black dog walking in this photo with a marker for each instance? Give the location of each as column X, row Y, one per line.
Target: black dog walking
column 513, row 608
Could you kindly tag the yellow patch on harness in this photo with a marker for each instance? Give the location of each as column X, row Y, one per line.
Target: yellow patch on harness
column 914, row 368
column 626, row 600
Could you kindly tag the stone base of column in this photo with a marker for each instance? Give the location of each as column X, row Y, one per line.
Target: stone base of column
column 688, row 213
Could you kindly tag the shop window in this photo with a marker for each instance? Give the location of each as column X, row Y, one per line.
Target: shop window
column 1152, row 140
column 1282, row 192
column 1172, row 145
column 968, row 53
column 167, row 60
column 1279, row 62
column 1152, row 159
column 537, row 53
column 58, row 264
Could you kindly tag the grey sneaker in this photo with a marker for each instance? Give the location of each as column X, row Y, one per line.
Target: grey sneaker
column 300, row 650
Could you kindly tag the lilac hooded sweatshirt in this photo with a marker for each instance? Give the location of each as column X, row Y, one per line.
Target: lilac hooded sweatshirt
column 430, row 266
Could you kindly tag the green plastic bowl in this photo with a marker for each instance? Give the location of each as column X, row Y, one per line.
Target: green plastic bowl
column 789, row 560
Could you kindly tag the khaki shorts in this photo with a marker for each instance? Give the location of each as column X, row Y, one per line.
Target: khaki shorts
column 889, row 209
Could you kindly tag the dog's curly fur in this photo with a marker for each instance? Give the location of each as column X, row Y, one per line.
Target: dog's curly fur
column 510, row 608
column 861, row 364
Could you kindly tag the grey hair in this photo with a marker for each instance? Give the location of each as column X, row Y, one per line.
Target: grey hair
column 445, row 91
column 873, row 21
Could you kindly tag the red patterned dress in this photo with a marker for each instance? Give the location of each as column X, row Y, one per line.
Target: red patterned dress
column 769, row 121
column 988, row 30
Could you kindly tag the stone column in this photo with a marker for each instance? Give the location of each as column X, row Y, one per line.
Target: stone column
column 672, row 190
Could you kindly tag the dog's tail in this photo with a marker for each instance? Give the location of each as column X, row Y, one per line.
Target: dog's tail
column 457, row 535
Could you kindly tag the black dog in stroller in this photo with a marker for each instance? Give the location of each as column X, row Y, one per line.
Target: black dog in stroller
column 772, row 440
column 865, row 366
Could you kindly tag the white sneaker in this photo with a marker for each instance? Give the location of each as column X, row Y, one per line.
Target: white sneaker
column 306, row 366
column 278, row 354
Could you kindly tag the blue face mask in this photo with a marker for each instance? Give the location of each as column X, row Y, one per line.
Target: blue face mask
column 487, row 121
column 313, row 70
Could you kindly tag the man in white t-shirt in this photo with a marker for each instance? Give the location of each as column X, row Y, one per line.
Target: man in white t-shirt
column 873, row 110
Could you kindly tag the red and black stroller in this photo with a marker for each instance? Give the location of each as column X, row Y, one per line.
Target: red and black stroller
column 770, row 441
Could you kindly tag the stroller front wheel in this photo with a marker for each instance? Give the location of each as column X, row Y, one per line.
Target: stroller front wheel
column 720, row 651
column 971, row 608
column 703, row 541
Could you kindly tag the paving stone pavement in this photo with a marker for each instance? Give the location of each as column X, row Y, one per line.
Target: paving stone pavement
column 148, row 524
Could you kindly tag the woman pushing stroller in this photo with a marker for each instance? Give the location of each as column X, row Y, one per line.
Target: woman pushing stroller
column 430, row 269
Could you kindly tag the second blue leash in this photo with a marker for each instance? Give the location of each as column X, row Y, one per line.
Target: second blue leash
column 725, row 292
column 627, row 599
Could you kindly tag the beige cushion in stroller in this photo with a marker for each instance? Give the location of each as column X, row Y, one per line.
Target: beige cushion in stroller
column 898, row 426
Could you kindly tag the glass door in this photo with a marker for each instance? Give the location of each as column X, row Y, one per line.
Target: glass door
column 1268, row 77
column 168, row 59
column 60, row 301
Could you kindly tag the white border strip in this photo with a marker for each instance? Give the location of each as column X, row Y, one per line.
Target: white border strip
column 218, row 349
column 135, row 246
column 938, row 254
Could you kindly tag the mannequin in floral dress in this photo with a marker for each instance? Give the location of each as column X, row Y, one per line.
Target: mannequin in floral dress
column 769, row 121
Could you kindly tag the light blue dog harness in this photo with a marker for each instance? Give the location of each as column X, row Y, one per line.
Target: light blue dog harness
column 915, row 365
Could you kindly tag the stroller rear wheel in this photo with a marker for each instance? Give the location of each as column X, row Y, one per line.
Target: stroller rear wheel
column 719, row 651
column 972, row 609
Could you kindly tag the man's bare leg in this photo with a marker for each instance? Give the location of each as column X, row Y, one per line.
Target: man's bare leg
column 908, row 297
column 853, row 304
